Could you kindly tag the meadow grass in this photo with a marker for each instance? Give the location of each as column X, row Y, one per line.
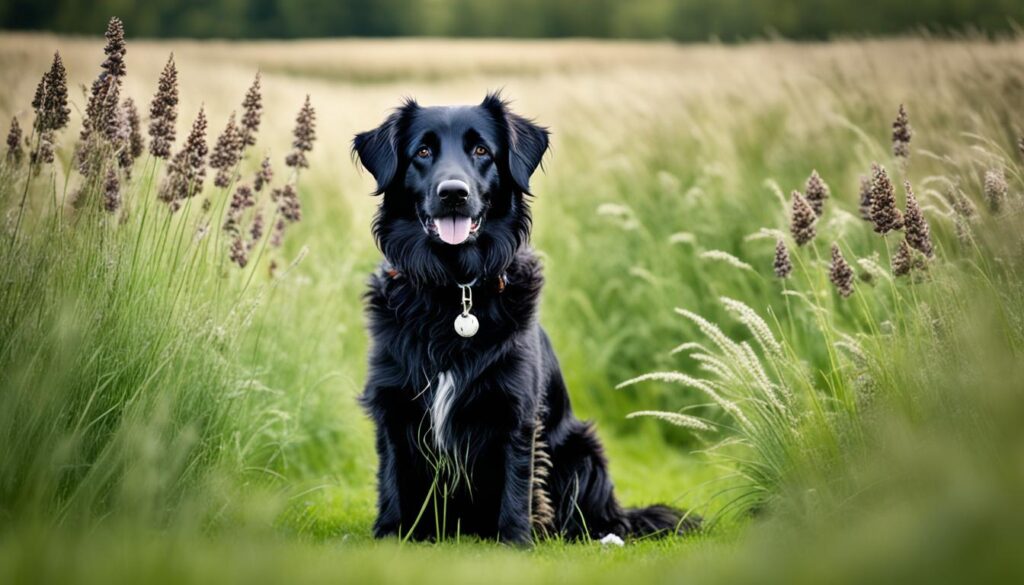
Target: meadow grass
column 169, row 416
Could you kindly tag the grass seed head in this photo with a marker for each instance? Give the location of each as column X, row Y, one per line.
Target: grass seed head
column 916, row 226
column 111, row 191
column 782, row 265
column 901, row 134
column 865, row 198
column 252, row 109
column 163, row 112
column 51, row 100
column 288, row 203
column 115, row 49
column 263, row 176
column 227, row 153
column 995, row 189
column 256, row 229
column 816, row 192
column 305, row 134
column 840, row 273
column 902, row 260
column 15, row 153
column 241, row 200
column 188, row 168
column 884, row 213
column 239, row 252
column 802, row 220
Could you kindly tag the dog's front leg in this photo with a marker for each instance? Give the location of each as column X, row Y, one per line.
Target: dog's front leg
column 514, row 516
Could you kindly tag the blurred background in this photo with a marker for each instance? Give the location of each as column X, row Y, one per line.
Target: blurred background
column 681, row 20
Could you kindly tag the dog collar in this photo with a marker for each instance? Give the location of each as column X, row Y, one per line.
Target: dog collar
column 466, row 324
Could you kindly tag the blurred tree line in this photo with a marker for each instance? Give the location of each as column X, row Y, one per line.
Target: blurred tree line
column 685, row 20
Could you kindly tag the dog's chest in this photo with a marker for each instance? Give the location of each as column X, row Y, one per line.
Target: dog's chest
column 445, row 391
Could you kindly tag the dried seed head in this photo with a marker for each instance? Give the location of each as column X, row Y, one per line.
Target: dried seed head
column 802, row 220
column 44, row 152
column 226, row 153
column 51, row 99
column 995, row 189
column 15, row 153
column 916, row 226
column 115, row 49
column 135, row 141
column 163, row 112
column 264, row 175
column 256, row 230
column 239, row 252
column 305, row 134
column 277, row 237
column 252, row 107
column 840, row 273
column 241, row 200
column 865, row 198
column 783, row 266
column 901, row 134
column 111, row 191
column 188, row 168
column 288, row 203
column 902, row 260
column 884, row 213
column 816, row 192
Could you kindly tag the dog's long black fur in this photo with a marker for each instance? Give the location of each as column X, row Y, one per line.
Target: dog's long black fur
column 507, row 458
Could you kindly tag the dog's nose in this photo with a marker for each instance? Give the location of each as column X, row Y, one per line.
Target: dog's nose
column 453, row 192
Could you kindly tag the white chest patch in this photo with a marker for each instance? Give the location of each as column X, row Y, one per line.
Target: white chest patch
column 441, row 408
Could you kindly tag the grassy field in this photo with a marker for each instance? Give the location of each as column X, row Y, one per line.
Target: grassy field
column 168, row 416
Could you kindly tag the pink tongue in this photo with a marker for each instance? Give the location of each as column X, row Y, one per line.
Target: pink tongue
column 453, row 229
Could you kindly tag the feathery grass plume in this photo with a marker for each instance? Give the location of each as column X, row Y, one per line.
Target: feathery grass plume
column 115, row 48
column 263, row 176
column 239, row 253
column 277, row 236
column 226, row 153
column 816, row 192
column 995, row 189
column 305, row 134
column 252, row 109
column 163, row 112
column 703, row 386
column 901, row 134
column 111, row 191
column 136, row 144
column 915, row 226
column 802, row 220
column 757, row 326
column 242, row 199
column 840, row 273
column 15, row 153
column 902, row 260
column 722, row 256
column 680, row 420
column 187, row 170
column 541, row 510
column 864, row 206
column 884, row 213
column 782, row 265
column 871, row 269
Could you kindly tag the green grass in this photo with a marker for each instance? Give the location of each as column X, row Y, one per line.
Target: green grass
column 166, row 416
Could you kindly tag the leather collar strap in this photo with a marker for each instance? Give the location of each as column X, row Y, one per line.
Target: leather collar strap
column 394, row 274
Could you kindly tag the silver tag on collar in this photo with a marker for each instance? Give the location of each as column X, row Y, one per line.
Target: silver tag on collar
column 466, row 324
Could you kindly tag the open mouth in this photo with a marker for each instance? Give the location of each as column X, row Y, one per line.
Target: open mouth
column 453, row 229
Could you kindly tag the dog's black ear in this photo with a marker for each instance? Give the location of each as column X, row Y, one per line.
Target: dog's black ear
column 377, row 149
column 527, row 142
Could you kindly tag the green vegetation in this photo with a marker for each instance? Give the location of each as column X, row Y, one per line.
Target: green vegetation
column 683, row 20
column 167, row 415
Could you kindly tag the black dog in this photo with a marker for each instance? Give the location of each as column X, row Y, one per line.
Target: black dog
column 475, row 433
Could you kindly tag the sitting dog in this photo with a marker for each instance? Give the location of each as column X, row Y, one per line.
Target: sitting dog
column 474, row 430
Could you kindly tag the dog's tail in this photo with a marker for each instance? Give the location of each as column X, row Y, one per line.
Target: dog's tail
column 661, row 520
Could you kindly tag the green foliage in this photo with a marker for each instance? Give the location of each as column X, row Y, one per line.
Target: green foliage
column 684, row 20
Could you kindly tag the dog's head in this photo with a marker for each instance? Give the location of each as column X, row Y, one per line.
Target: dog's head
column 453, row 180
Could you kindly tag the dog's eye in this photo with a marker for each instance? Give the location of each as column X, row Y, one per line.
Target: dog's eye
column 480, row 151
column 423, row 152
